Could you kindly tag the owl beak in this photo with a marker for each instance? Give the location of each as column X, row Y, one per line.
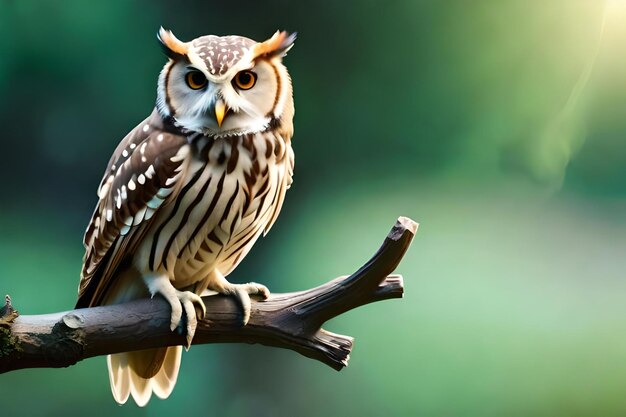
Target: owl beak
column 220, row 112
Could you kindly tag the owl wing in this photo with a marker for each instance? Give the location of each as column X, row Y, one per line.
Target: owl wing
column 143, row 174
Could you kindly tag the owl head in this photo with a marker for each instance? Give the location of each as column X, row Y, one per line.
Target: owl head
column 225, row 85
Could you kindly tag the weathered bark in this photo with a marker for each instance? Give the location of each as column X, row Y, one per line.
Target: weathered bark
column 290, row 320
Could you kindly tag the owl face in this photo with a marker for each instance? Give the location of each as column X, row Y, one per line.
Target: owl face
column 224, row 86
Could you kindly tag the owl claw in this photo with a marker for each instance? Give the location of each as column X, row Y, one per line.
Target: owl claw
column 189, row 300
column 242, row 292
column 179, row 301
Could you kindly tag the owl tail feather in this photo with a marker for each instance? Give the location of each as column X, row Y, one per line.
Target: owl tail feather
column 143, row 372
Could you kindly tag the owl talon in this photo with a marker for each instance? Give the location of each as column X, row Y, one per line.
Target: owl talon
column 241, row 291
column 189, row 301
column 179, row 301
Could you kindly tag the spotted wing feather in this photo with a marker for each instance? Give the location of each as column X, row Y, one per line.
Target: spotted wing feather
column 143, row 175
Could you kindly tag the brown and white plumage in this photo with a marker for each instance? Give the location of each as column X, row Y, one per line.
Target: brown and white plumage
column 188, row 191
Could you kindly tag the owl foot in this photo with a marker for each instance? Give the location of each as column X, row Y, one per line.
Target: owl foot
column 179, row 301
column 241, row 291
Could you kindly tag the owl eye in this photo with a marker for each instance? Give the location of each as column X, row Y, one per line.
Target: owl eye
column 195, row 80
column 245, row 80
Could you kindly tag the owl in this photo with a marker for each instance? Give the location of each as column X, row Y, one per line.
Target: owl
column 188, row 192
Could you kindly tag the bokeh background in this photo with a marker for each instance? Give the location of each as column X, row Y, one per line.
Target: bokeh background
column 500, row 126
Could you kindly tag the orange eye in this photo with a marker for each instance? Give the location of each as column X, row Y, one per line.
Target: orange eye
column 195, row 80
column 245, row 80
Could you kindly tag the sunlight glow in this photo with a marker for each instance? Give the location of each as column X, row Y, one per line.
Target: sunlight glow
column 563, row 137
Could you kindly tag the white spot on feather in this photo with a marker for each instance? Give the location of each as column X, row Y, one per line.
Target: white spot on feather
column 150, row 172
column 145, row 128
column 109, row 215
column 131, row 185
column 141, row 179
column 160, row 137
column 125, row 153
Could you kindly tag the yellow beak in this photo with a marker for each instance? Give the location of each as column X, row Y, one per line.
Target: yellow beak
column 220, row 112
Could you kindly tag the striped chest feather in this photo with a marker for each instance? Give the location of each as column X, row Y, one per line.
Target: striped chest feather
column 231, row 194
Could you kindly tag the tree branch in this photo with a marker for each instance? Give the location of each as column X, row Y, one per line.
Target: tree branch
column 290, row 320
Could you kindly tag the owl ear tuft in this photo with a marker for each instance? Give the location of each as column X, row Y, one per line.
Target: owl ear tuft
column 277, row 45
column 172, row 46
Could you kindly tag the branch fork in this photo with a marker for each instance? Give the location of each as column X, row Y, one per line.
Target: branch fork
column 288, row 320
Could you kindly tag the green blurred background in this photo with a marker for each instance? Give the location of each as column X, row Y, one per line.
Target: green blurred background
column 498, row 125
